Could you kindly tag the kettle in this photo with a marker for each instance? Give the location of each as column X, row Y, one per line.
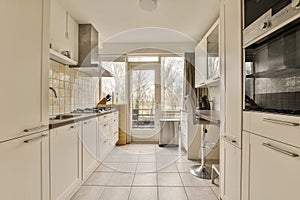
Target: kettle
column 204, row 103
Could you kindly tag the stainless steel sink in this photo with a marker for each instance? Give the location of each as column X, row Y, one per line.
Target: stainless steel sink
column 62, row 117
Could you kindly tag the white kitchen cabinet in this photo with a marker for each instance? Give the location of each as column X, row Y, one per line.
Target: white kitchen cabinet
column 63, row 30
column 272, row 169
column 232, row 24
column 115, row 128
column 108, row 133
column 24, row 168
column 231, row 106
column 200, row 63
column 207, row 58
column 230, row 171
column 89, row 131
column 25, row 66
column 284, row 128
column 65, row 161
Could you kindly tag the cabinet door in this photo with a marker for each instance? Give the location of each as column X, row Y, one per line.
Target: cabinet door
column 200, row 63
column 24, row 168
column 274, row 174
column 106, row 143
column 213, row 52
column 115, row 130
column 24, row 61
column 230, row 170
column 233, row 69
column 90, row 162
column 65, row 161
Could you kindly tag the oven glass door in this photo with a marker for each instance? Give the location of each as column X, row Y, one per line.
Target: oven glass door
column 272, row 72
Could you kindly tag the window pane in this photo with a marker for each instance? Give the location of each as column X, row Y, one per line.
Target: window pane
column 143, row 59
column 114, row 84
column 172, row 86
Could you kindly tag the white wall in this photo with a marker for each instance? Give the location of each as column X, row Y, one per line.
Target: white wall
column 121, row 48
column 58, row 28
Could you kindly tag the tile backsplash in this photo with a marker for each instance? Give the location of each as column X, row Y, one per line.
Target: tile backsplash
column 74, row 89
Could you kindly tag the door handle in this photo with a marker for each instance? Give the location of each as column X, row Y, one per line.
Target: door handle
column 283, row 151
column 37, row 129
column 276, row 121
column 35, row 139
column 229, row 139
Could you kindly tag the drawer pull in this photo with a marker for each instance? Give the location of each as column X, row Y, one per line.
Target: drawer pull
column 276, row 121
column 229, row 139
column 105, row 125
column 37, row 129
column 289, row 153
column 34, row 139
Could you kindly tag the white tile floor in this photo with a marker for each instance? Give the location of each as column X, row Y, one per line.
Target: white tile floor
column 145, row 172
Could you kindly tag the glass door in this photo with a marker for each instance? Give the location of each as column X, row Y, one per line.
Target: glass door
column 144, row 101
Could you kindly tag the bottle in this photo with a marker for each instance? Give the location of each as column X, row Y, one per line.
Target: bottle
column 117, row 98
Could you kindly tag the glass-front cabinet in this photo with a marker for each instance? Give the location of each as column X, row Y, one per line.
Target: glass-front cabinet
column 213, row 55
column 207, row 58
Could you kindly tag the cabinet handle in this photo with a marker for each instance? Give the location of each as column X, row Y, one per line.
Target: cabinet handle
column 289, row 153
column 105, row 125
column 86, row 122
column 34, row 139
column 276, row 121
column 37, row 129
column 228, row 138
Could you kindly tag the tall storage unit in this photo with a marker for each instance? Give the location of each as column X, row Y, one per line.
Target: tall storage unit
column 231, row 59
column 24, row 144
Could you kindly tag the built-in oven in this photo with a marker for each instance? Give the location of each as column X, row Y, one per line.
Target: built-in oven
column 272, row 61
column 253, row 9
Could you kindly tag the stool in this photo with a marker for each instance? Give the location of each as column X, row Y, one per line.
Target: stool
column 215, row 169
column 202, row 171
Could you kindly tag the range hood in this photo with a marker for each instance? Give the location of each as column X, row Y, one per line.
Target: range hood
column 88, row 62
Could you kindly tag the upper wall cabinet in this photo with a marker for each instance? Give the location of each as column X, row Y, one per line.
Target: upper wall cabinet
column 207, row 58
column 63, row 30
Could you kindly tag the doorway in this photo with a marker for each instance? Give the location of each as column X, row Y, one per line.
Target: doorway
column 145, row 97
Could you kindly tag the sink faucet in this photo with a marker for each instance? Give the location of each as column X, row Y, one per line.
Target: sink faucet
column 52, row 89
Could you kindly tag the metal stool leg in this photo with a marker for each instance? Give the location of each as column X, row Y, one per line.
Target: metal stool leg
column 202, row 171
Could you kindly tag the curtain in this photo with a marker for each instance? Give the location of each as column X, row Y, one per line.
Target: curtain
column 189, row 74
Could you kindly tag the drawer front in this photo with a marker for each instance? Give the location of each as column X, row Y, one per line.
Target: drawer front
column 105, row 129
column 278, row 127
column 273, row 170
column 115, row 115
column 104, row 118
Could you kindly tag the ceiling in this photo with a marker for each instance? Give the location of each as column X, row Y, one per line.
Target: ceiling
column 122, row 21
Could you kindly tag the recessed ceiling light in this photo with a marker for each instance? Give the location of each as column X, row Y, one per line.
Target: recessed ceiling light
column 148, row 5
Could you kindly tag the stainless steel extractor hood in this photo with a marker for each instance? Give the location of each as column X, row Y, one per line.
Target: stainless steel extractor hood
column 88, row 53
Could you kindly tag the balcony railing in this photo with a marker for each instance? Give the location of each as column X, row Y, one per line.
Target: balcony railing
column 145, row 118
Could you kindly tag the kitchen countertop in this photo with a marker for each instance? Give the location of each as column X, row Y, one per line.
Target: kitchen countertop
column 211, row 116
column 83, row 116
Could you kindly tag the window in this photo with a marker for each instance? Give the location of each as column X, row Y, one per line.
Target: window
column 114, row 85
column 143, row 59
column 172, row 85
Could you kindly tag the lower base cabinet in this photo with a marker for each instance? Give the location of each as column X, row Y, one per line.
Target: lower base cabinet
column 65, row 161
column 24, row 168
column 230, row 170
column 90, row 162
column 272, row 169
